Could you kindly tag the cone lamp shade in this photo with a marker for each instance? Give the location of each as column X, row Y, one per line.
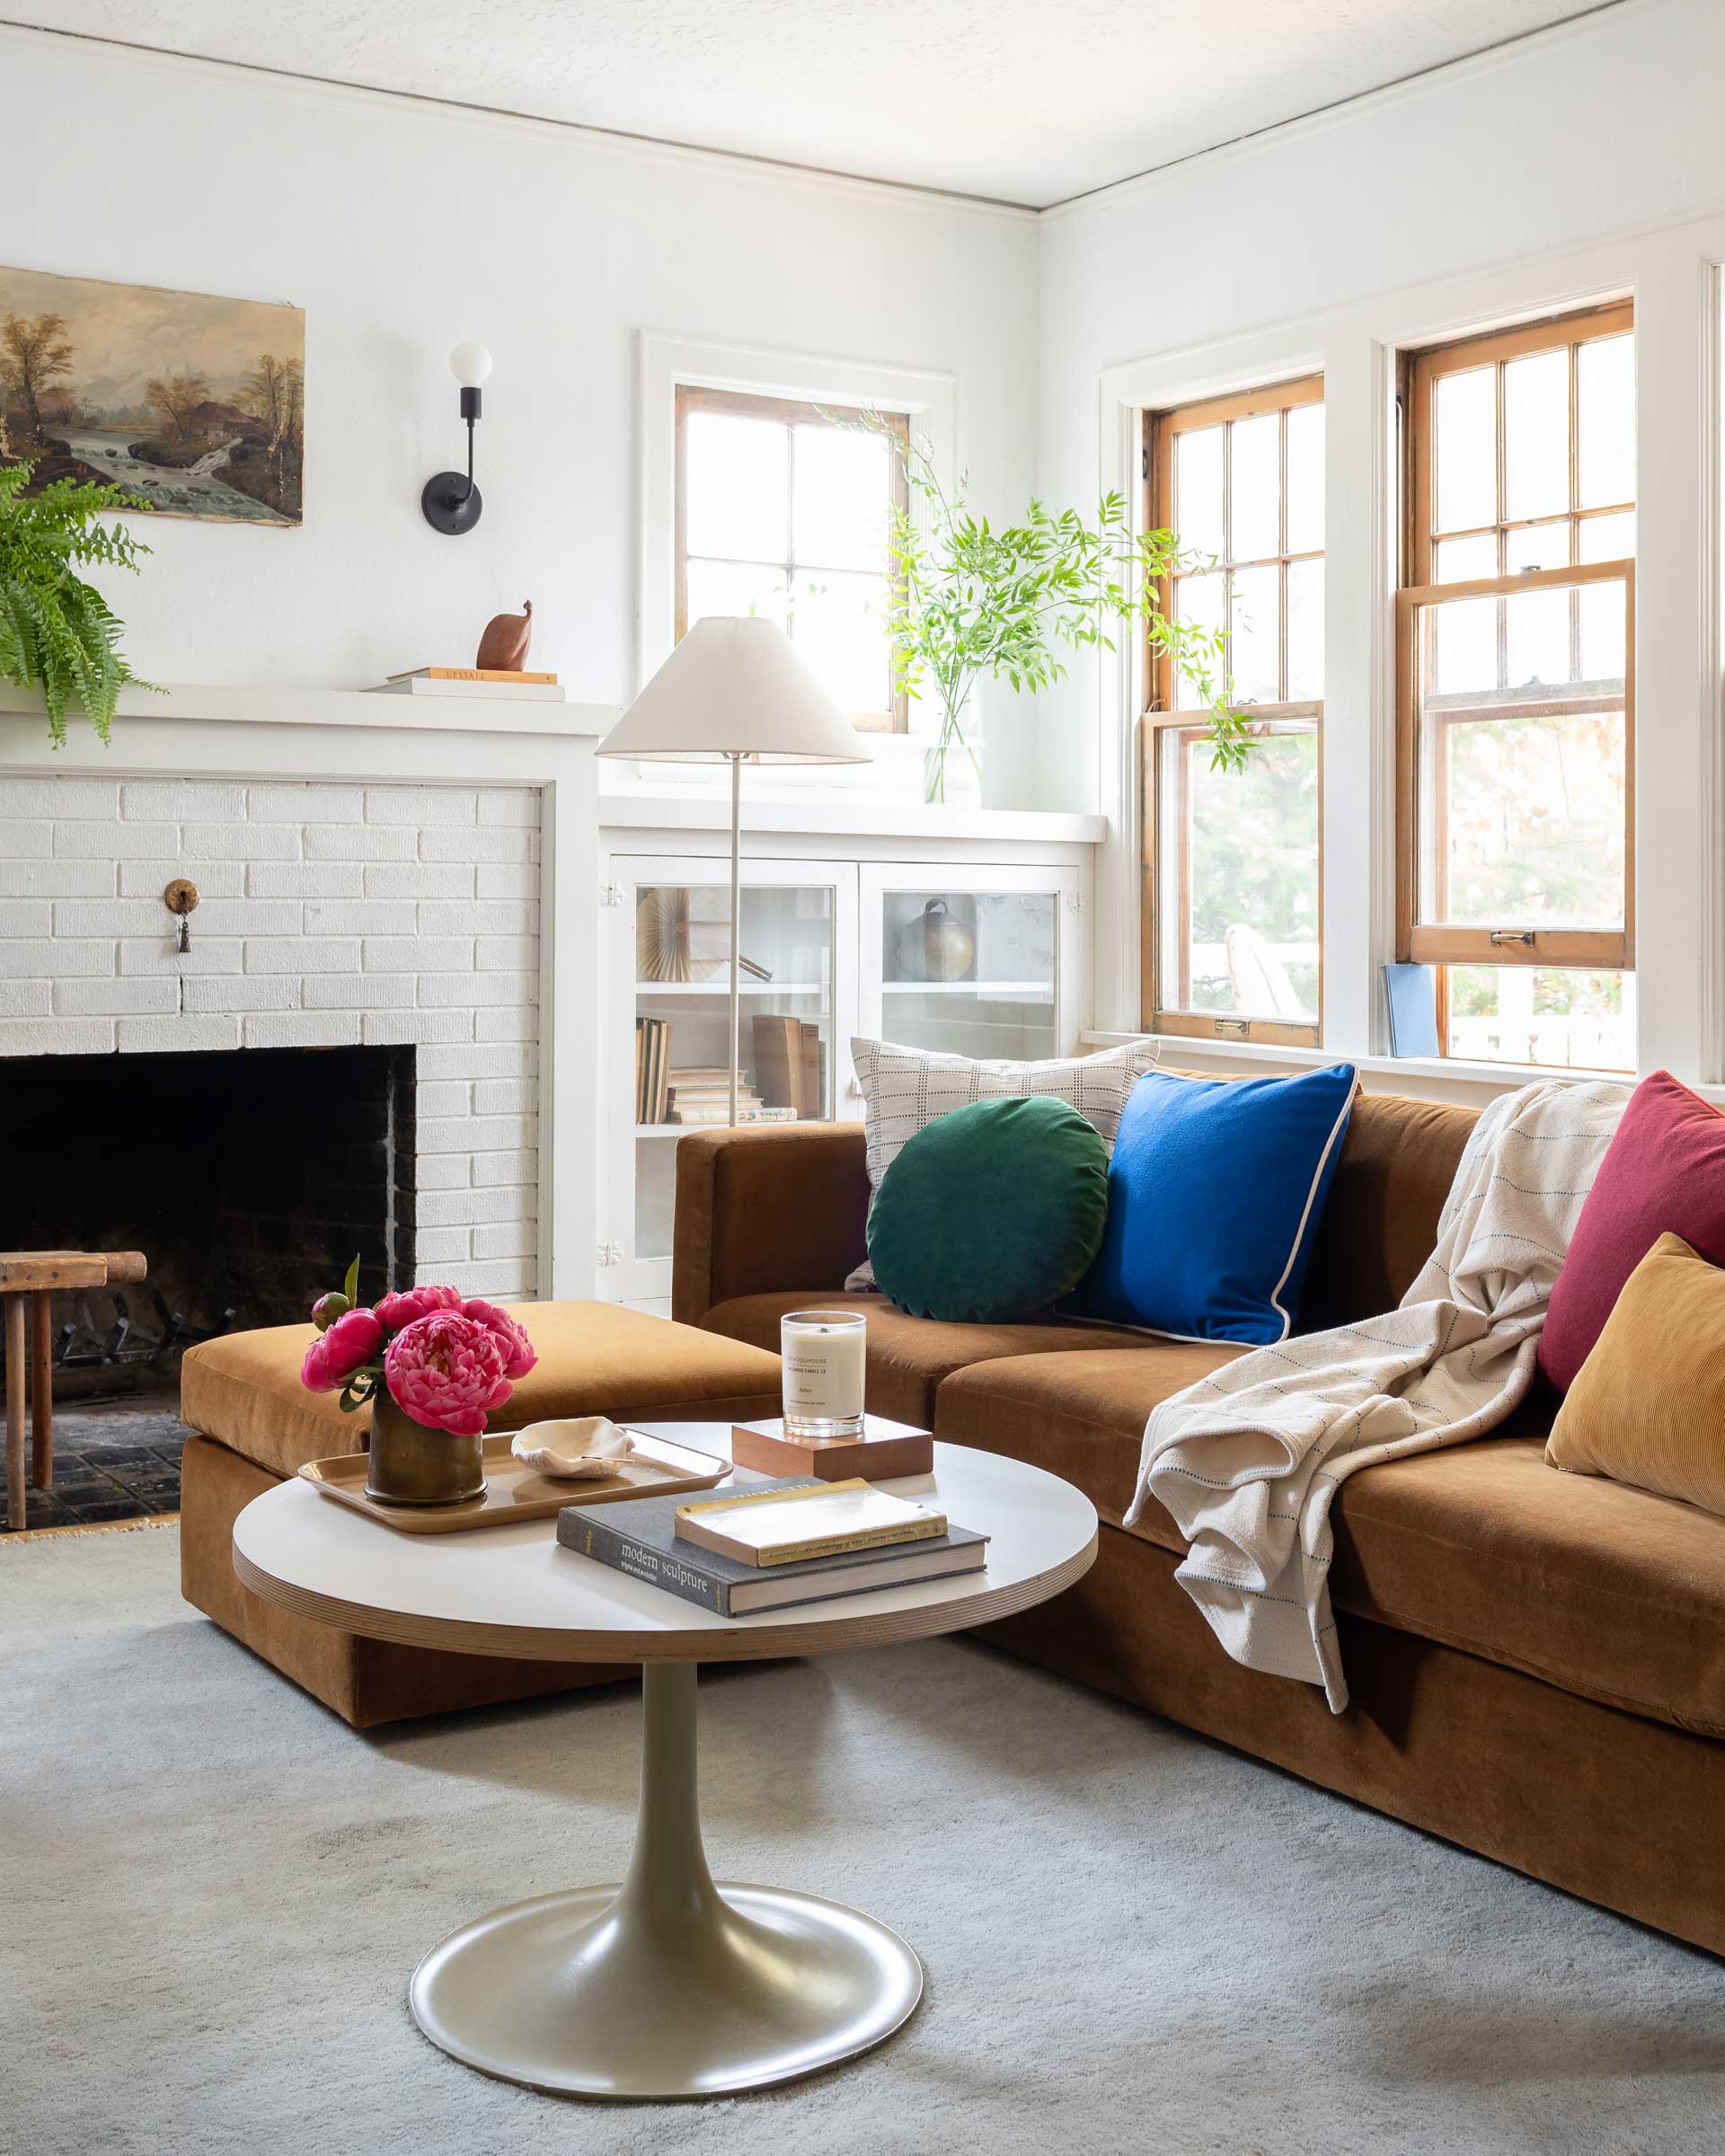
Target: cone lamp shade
column 735, row 687
column 734, row 690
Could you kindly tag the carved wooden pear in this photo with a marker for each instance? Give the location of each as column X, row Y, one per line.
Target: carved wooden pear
column 503, row 647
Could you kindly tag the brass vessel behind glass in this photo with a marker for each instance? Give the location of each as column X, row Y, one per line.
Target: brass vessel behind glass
column 411, row 1465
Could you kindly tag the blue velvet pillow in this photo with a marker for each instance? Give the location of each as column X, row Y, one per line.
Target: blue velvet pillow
column 1215, row 1193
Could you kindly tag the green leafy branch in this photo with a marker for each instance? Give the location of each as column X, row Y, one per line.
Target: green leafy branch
column 971, row 600
column 55, row 629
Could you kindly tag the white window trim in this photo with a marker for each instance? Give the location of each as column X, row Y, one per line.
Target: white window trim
column 669, row 363
column 1673, row 274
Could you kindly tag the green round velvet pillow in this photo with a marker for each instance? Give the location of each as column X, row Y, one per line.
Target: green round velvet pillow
column 990, row 1213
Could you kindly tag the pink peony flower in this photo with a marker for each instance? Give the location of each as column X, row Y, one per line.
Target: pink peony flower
column 446, row 1369
column 518, row 1356
column 397, row 1310
column 334, row 1356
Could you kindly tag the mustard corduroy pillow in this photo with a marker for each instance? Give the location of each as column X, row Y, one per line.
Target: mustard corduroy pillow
column 1648, row 1405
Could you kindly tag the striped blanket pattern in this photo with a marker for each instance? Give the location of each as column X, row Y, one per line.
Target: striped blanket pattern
column 1248, row 1461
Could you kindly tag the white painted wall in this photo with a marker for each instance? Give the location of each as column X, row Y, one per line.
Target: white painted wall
column 1582, row 162
column 401, row 228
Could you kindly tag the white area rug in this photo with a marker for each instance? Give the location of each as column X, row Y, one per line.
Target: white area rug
column 1134, row 1941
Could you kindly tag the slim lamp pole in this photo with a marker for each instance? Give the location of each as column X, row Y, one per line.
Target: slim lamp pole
column 735, row 762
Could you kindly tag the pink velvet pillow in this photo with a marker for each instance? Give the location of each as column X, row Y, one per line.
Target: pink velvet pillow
column 1664, row 1172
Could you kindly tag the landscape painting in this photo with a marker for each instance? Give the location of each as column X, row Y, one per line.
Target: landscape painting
column 196, row 405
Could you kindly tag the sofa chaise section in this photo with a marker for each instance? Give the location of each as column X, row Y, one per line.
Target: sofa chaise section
column 1537, row 1661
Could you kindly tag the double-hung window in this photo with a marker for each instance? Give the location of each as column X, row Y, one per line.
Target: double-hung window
column 1516, row 693
column 1231, row 859
column 782, row 509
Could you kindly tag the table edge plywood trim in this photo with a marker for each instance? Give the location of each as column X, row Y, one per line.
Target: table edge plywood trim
column 740, row 1642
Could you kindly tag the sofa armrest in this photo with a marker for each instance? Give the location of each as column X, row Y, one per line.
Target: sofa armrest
column 783, row 1207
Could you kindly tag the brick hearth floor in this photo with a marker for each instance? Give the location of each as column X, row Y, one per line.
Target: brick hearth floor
column 113, row 1460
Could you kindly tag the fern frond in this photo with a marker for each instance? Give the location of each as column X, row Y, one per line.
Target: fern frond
column 55, row 629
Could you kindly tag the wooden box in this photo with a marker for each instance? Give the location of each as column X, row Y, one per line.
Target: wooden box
column 885, row 1449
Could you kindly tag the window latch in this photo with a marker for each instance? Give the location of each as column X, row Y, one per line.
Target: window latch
column 1513, row 935
column 1239, row 1027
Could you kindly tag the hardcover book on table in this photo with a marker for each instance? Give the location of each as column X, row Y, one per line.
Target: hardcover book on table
column 783, row 1522
column 638, row 1538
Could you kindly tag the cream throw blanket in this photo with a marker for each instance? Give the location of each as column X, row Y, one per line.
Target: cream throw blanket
column 1248, row 1461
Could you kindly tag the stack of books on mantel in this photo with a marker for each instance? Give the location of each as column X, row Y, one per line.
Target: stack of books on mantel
column 700, row 1098
column 773, row 1546
column 470, row 681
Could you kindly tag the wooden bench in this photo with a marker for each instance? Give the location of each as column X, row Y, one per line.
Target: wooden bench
column 36, row 1276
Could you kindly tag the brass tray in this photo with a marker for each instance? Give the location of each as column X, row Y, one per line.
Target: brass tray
column 515, row 1492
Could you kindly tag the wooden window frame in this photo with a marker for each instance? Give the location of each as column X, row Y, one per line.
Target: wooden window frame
column 791, row 412
column 1510, row 942
column 1161, row 428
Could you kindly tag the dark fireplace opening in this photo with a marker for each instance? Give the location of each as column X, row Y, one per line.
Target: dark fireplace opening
column 248, row 1178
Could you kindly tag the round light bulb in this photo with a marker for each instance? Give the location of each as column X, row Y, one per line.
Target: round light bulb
column 470, row 364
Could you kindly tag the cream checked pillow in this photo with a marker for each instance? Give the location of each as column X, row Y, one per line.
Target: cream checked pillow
column 903, row 1089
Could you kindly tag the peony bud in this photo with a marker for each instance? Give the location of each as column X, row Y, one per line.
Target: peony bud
column 328, row 1308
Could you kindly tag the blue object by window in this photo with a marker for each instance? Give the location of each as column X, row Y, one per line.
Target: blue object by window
column 1215, row 1193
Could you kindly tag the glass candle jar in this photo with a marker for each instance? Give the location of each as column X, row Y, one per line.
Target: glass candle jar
column 822, row 1352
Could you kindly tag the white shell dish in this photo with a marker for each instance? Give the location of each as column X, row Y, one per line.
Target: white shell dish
column 585, row 1448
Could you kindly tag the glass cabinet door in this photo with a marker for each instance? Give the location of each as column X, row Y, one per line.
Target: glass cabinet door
column 965, row 965
column 670, row 1068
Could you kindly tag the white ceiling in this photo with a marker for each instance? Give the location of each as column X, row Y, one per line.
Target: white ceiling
column 1020, row 100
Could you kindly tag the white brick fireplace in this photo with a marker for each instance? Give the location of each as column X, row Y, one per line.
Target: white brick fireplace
column 371, row 873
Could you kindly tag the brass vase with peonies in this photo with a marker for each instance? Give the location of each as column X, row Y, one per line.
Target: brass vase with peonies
column 410, row 1464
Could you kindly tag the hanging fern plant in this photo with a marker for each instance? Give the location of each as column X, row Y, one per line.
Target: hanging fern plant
column 55, row 629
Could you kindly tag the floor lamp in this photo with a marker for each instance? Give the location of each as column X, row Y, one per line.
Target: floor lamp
column 734, row 692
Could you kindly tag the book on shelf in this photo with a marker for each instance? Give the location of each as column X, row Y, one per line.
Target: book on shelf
column 717, row 1116
column 638, row 1538
column 788, row 1064
column 812, row 1089
column 778, row 1061
column 652, row 1069
column 475, row 673
column 788, row 1522
column 469, row 681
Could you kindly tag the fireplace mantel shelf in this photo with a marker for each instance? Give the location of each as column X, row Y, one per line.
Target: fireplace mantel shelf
column 263, row 704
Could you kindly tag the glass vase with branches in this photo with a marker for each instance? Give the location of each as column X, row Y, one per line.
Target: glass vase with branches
column 970, row 600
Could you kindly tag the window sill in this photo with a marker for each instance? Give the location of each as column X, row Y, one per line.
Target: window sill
column 1423, row 1077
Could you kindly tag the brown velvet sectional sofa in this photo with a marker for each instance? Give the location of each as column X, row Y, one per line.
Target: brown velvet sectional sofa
column 1536, row 1659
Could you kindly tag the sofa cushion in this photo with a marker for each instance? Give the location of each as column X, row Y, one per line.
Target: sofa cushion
column 595, row 1358
column 1663, row 1171
column 904, row 1089
column 1215, row 1193
column 1607, row 1591
column 1080, row 1415
column 1648, row 1406
column 909, row 1357
column 992, row 1214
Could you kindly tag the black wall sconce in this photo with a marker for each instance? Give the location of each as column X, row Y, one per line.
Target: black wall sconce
column 451, row 503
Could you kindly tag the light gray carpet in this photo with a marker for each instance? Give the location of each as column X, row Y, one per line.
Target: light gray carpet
column 214, row 1893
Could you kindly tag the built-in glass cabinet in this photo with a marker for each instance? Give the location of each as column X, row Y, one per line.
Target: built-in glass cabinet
column 973, row 959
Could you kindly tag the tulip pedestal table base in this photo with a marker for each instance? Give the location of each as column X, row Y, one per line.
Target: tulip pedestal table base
column 669, row 1985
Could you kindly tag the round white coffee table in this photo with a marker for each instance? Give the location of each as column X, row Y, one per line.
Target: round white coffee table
column 667, row 1984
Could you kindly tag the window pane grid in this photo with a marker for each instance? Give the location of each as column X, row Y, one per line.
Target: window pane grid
column 1233, row 886
column 1230, row 604
column 1596, row 423
column 1514, row 820
column 838, row 602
